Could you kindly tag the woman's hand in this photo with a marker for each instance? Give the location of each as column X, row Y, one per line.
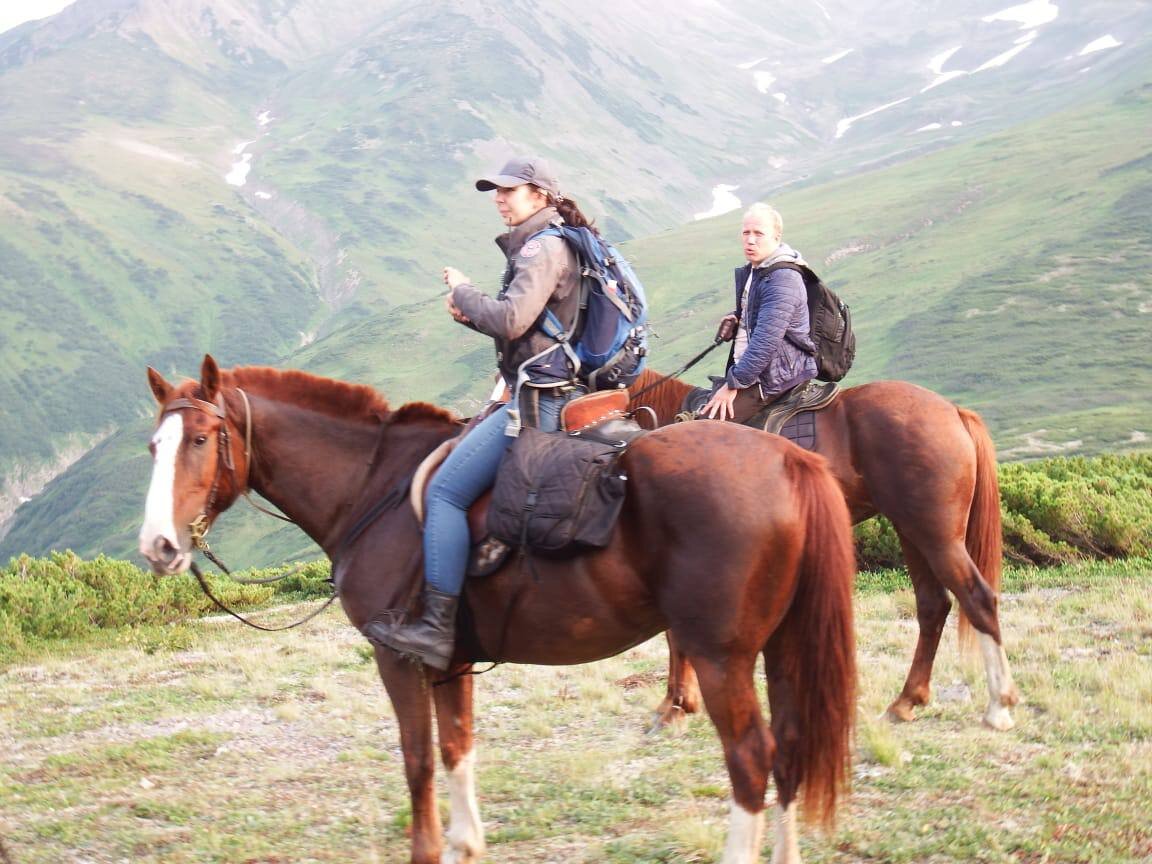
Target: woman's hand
column 454, row 310
column 453, row 277
column 726, row 330
column 720, row 404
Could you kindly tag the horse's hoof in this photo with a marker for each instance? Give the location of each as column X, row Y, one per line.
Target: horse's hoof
column 465, row 855
column 998, row 717
column 900, row 712
column 671, row 719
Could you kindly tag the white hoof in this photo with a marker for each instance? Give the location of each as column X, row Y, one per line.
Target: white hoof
column 998, row 717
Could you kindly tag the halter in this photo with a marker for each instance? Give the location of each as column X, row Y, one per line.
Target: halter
column 198, row 527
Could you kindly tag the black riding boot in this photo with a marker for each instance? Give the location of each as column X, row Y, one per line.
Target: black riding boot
column 431, row 639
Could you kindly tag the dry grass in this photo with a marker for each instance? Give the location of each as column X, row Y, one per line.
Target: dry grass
column 248, row 747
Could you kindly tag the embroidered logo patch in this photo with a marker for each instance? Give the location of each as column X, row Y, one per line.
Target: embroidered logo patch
column 530, row 249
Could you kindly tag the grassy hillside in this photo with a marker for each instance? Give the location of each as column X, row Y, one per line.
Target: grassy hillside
column 1010, row 274
column 210, row 742
column 122, row 244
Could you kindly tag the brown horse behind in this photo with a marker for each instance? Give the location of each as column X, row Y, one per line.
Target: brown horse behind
column 775, row 582
column 909, row 454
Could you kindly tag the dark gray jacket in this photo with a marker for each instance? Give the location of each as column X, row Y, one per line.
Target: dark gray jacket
column 777, row 319
column 541, row 273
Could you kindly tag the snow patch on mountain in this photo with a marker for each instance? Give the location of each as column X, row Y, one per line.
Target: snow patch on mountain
column 1101, row 44
column 238, row 176
column 1001, row 59
column 847, row 122
column 1028, row 15
column 723, row 201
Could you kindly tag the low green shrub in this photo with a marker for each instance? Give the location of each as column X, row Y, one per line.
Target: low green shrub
column 63, row 596
column 1054, row 511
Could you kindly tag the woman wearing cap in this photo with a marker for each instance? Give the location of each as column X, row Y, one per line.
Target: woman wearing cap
column 541, row 273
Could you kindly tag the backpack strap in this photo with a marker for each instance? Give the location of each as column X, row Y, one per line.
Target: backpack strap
column 550, row 325
column 804, row 272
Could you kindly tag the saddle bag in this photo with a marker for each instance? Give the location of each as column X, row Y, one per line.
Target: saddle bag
column 557, row 494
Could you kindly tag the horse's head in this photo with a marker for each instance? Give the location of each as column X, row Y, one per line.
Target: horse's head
column 197, row 469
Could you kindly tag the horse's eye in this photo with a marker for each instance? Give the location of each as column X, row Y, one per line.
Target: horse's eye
column 199, row 439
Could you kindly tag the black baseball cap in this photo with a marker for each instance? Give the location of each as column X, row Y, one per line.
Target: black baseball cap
column 518, row 171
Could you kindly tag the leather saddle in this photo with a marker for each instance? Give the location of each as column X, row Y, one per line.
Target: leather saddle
column 792, row 415
column 603, row 413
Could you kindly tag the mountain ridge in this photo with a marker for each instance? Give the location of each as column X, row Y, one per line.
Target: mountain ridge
column 276, row 194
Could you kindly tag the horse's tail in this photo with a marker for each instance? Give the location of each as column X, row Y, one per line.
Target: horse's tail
column 984, row 539
column 814, row 647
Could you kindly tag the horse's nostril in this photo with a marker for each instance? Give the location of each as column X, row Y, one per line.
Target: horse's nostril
column 164, row 549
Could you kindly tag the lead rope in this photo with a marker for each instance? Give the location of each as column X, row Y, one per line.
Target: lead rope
column 715, row 344
column 220, row 605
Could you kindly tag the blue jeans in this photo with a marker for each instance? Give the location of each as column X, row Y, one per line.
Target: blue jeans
column 467, row 472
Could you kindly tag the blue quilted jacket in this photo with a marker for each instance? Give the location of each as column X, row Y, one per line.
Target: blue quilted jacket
column 777, row 319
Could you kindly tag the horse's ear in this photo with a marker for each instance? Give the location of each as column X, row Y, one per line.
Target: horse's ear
column 161, row 389
column 209, row 379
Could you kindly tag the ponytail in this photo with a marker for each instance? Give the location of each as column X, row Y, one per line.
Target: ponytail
column 570, row 212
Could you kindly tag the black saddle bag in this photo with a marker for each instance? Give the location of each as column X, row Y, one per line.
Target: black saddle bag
column 557, row 494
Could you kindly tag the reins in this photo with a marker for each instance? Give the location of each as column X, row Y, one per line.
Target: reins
column 715, row 344
column 220, row 605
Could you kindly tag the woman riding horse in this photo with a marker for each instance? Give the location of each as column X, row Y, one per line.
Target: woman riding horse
column 776, row 582
column 541, row 273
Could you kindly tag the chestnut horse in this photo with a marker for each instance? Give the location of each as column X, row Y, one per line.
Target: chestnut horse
column 907, row 453
column 739, row 557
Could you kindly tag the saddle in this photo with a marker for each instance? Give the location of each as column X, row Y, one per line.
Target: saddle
column 792, row 416
column 599, row 416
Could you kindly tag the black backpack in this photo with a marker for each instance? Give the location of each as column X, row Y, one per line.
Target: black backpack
column 831, row 325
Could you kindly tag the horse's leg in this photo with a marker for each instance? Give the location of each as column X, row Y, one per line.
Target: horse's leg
column 683, row 695
column 1002, row 692
column 408, row 690
column 454, row 722
column 932, row 607
column 730, row 697
column 956, row 571
column 785, row 731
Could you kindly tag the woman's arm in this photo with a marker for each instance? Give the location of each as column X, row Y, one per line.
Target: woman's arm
column 512, row 312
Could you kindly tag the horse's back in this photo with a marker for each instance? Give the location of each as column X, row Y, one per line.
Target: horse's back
column 714, row 462
column 895, row 446
column 696, row 486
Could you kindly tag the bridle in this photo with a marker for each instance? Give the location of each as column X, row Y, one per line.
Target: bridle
column 198, row 527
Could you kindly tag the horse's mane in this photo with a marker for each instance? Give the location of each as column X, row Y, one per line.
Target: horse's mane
column 665, row 398
column 328, row 396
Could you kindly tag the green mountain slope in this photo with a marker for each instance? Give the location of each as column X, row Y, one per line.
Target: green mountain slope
column 355, row 129
column 1010, row 274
